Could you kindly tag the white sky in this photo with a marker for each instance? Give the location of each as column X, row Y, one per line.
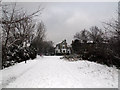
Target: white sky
column 60, row 0
column 64, row 19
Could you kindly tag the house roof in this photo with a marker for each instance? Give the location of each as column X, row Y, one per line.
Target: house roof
column 58, row 45
column 64, row 41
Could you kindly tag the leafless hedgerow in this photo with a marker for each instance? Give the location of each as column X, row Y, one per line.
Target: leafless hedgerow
column 18, row 28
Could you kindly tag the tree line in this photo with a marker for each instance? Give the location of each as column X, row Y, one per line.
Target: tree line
column 22, row 37
column 99, row 45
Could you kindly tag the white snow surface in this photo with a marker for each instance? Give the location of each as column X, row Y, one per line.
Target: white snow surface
column 53, row 72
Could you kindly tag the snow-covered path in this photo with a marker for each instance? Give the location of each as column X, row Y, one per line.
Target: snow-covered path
column 53, row 72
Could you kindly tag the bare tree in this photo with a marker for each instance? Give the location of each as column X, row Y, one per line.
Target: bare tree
column 18, row 28
column 39, row 37
column 83, row 36
column 17, row 24
column 96, row 34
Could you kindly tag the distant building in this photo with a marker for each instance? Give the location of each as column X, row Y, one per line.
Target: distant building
column 62, row 48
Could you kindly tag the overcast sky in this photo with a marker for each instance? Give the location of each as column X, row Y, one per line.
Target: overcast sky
column 63, row 20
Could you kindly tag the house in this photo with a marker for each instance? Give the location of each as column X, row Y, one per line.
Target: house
column 62, row 48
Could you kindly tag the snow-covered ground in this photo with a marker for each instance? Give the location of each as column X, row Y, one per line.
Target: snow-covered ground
column 53, row 72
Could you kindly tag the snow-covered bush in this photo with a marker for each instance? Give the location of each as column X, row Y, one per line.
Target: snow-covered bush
column 103, row 56
column 18, row 32
column 32, row 53
column 16, row 54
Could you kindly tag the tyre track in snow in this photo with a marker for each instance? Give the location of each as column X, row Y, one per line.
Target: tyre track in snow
column 47, row 73
column 14, row 77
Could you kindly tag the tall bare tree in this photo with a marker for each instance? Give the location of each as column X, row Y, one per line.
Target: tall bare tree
column 16, row 24
column 96, row 34
column 83, row 36
column 18, row 28
column 39, row 37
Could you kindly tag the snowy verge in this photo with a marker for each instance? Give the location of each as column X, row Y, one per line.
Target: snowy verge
column 11, row 73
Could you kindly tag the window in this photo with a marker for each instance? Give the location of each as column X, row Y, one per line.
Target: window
column 63, row 46
column 63, row 51
column 68, row 52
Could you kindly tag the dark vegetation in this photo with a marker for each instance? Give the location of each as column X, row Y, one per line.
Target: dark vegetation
column 94, row 45
column 22, row 37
